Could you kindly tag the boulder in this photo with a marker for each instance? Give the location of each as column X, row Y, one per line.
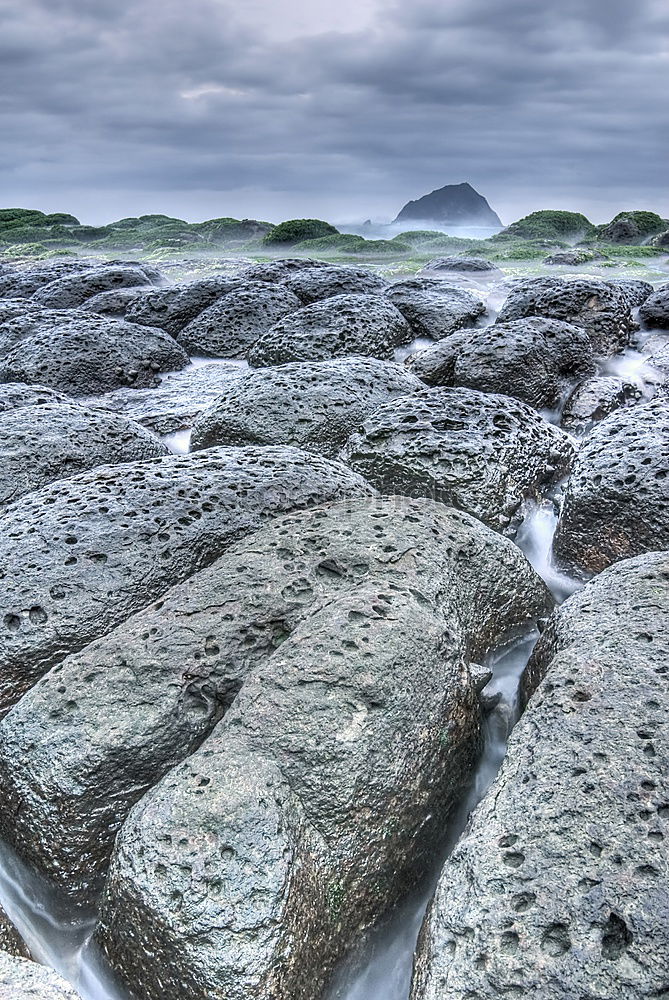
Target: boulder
column 558, row 889
column 533, row 359
column 313, row 283
column 233, row 323
column 480, row 452
column 84, row 554
column 23, row 283
column 310, row 404
column 337, row 327
column 600, row 307
column 178, row 398
column 281, row 270
column 433, row 308
column 41, row 444
column 636, row 290
column 11, row 942
column 82, row 354
column 171, row 309
column 24, row 980
column 470, row 264
column 572, row 258
column 317, row 800
column 16, row 394
column 616, row 501
column 655, row 310
column 594, row 399
column 72, row 290
column 660, row 240
column 113, row 303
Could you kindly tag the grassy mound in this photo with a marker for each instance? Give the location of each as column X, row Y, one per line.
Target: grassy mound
column 548, row 225
column 297, row 231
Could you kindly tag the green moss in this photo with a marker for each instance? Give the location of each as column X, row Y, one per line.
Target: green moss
column 14, row 217
column 328, row 244
column 548, row 224
column 61, row 219
column 297, row 230
column 335, row 898
column 619, row 250
column 648, row 223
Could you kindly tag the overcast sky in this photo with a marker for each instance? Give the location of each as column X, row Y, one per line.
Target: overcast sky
column 342, row 109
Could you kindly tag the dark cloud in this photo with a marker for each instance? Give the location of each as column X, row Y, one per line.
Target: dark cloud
column 201, row 109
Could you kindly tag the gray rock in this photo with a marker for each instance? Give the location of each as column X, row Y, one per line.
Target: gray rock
column 533, row 359
column 233, row 323
column 24, row 980
column 636, row 291
column 40, row 444
column 318, row 799
column 616, row 502
column 594, row 399
column 23, row 283
column 71, row 291
column 311, row 284
column 480, row 452
column 655, row 310
column 460, row 264
column 11, row 942
column 337, row 327
column 153, row 689
column 660, row 240
column 178, row 398
column 171, row 309
column 16, row 394
column 84, row 554
column 433, row 308
column 559, row 888
column 113, row 303
column 82, row 354
column 572, row 258
column 600, row 307
column 283, row 269
column 311, row 404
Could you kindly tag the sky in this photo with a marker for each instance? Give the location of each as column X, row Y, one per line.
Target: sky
column 343, row 110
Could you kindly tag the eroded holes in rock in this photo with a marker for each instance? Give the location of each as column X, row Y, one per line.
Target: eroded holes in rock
column 523, row 901
column 508, row 841
column 616, row 937
column 555, row 941
column 37, row 615
column 514, row 859
column 509, row 942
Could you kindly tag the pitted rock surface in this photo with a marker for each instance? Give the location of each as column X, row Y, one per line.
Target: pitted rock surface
column 41, row 444
column 559, row 887
column 171, row 309
column 84, row 554
column 23, row 283
column 317, row 800
column 113, row 303
column 311, row 404
column 311, row 284
column 594, row 399
column 283, row 269
column 24, row 980
column 16, row 394
column 234, row 322
column 11, row 942
column 602, row 308
column 433, row 308
column 80, row 353
column 616, row 502
column 655, row 310
column 480, row 452
column 636, row 291
column 178, row 398
column 572, row 258
column 532, row 359
column 72, row 290
column 148, row 693
column 475, row 264
column 340, row 326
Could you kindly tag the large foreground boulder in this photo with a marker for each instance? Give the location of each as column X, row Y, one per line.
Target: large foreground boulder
column 318, row 799
column 81, row 354
column 533, row 359
column 171, row 309
column 233, row 323
column 24, row 980
column 465, row 264
column 480, row 452
column 559, row 887
column 311, row 404
column 655, row 310
column 40, row 444
column 337, row 327
column 22, row 283
column 16, row 394
column 313, row 283
column 616, row 502
column 596, row 398
column 73, row 290
column 82, row 555
column 602, row 308
column 433, row 308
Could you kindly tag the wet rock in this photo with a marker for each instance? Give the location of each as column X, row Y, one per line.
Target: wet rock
column 113, row 303
column 84, row 554
column 149, row 693
column 16, row 394
column 283, row 269
column 460, row 264
column 433, row 308
column 311, row 284
column 23, row 283
column 40, row 444
column 594, row 399
column 600, row 307
column 317, row 800
column 616, row 502
column 532, row 359
column 655, row 310
column 178, row 398
column 635, row 290
column 337, row 327
column 24, row 980
column 311, row 404
column 571, row 258
column 82, row 354
column 558, row 888
column 480, row 452
column 233, row 323
column 11, row 942
column 71, row 291
column 171, row 309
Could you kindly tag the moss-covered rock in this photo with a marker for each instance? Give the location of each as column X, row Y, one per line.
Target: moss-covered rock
column 549, row 224
column 632, row 227
column 297, row 230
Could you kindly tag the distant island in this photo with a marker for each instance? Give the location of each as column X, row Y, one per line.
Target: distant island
column 454, row 204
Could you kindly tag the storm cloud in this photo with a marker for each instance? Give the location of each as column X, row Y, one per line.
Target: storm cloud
column 274, row 109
